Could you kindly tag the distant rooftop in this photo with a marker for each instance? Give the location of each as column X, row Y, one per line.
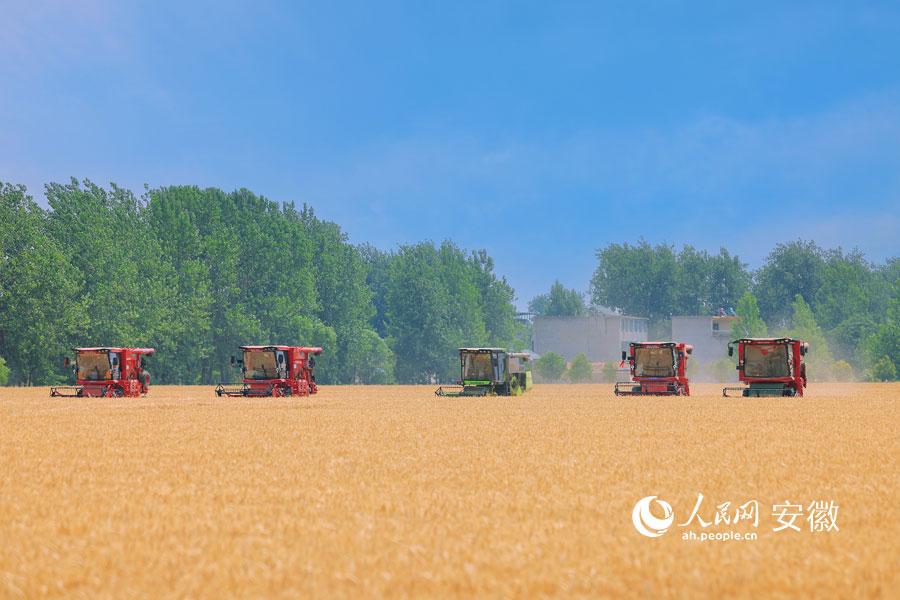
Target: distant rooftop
column 598, row 309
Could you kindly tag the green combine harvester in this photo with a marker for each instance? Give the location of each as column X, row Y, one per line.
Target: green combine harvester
column 490, row 372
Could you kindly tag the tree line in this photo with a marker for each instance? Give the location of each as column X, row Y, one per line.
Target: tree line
column 197, row 272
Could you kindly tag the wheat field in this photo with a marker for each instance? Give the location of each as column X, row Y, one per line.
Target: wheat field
column 390, row 491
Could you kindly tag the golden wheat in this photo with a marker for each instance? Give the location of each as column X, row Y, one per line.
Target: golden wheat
column 389, row 491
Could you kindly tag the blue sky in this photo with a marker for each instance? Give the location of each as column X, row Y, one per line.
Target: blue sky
column 539, row 131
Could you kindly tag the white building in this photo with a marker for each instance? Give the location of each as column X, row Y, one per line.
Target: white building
column 601, row 337
column 707, row 334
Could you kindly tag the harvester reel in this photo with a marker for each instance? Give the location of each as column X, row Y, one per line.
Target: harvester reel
column 449, row 390
column 66, row 391
column 627, row 388
column 246, row 390
column 459, row 391
column 749, row 392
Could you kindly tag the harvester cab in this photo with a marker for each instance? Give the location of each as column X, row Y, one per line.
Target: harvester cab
column 274, row 371
column 107, row 372
column 769, row 367
column 490, row 372
column 657, row 369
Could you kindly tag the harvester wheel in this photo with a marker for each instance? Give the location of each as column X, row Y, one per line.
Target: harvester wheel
column 514, row 388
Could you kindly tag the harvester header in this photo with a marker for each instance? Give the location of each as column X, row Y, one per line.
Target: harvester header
column 107, row 372
column 657, row 369
column 274, row 371
column 770, row 367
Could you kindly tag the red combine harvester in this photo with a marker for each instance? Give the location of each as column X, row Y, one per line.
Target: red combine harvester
column 274, row 371
column 658, row 369
column 770, row 367
column 107, row 373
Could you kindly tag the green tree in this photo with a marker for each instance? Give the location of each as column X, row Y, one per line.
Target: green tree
column 564, row 303
column 637, row 280
column 550, row 367
column 539, row 303
column 495, row 300
column 804, row 327
column 580, row 370
column 889, row 272
column 841, row 371
column 689, row 287
column 849, row 338
column 727, row 280
column 609, row 372
column 884, row 370
column 791, row 269
column 40, row 306
column 344, row 301
column 844, row 290
column 124, row 278
column 437, row 299
column 378, row 280
column 431, row 310
column 884, row 342
column 248, row 270
column 376, row 365
column 851, row 303
column 4, row 372
column 707, row 282
column 208, row 310
column 750, row 325
column 657, row 282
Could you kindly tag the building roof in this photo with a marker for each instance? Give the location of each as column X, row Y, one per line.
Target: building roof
column 599, row 309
